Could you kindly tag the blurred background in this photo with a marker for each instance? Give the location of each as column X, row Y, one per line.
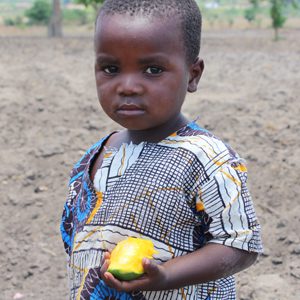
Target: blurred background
column 248, row 96
column 77, row 16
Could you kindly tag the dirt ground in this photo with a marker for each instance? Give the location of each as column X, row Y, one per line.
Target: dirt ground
column 249, row 96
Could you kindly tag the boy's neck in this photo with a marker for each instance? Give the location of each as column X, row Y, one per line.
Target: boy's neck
column 152, row 135
column 156, row 134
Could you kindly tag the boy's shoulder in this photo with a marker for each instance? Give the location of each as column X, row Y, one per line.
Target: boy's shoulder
column 198, row 138
column 85, row 159
column 209, row 152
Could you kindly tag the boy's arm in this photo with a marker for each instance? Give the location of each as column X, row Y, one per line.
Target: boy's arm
column 211, row 262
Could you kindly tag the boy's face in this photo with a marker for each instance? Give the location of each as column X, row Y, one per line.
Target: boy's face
column 141, row 71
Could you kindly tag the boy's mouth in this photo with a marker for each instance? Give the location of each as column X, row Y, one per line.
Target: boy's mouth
column 130, row 110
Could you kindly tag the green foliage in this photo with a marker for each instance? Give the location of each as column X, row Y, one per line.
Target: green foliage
column 250, row 13
column 39, row 13
column 255, row 3
column 9, row 22
column 295, row 4
column 90, row 2
column 277, row 13
column 95, row 4
column 15, row 21
column 76, row 16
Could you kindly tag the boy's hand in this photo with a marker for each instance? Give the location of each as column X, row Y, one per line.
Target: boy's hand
column 211, row 262
column 153, row 279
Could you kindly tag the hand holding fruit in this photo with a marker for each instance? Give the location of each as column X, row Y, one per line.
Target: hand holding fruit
column 129, row 268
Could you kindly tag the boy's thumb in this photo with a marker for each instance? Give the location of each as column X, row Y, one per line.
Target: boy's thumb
column 150, row 267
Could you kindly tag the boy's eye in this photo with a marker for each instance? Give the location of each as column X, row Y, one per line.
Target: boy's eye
column 110, row 69
column 154, row 70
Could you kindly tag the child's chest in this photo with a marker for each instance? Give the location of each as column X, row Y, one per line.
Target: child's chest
column 146, row 189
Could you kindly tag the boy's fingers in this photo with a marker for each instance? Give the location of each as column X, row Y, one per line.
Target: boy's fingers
column 106, row 256
column 110, row 277
column 104, row 268
column 123, row 286
column 151, row 270
column 113, row 282
column 150, row 267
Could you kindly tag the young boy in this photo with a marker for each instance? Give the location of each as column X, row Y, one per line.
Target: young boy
column 162, row 177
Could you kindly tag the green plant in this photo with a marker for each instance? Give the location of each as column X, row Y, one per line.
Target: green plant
column 75, row 16
column 94, row 3
column 277, row 15
column 16, row 21
column 39, row 13
column 90, row 2
column 9, row 22
column 251, row 12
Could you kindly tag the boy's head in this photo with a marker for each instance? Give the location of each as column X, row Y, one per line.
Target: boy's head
column 186, row 11
column 146, row 60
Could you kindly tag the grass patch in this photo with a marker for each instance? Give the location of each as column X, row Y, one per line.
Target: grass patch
column 78, row 16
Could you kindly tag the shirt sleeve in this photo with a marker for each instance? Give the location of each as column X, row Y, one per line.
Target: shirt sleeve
column 227, row 201
column 66, row 226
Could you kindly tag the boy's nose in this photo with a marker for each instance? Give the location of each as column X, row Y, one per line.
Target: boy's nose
column 129, row 85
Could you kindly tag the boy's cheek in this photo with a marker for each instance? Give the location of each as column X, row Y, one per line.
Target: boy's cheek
column 99, row 78
column 102, row 85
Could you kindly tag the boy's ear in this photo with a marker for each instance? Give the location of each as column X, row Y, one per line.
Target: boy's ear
column 196, row 71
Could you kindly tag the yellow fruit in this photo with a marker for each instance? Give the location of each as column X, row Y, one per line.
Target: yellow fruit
column 126, row 258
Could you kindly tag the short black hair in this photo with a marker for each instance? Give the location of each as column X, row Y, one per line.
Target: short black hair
column 187, row 11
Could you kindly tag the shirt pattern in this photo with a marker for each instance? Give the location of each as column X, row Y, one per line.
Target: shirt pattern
column 182, row 193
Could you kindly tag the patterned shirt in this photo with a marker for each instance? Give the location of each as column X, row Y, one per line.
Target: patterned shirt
column 182, row 193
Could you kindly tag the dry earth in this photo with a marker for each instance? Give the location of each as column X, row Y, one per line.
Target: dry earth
column 249, row 96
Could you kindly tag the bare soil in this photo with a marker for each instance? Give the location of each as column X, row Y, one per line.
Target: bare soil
column 249, row 96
